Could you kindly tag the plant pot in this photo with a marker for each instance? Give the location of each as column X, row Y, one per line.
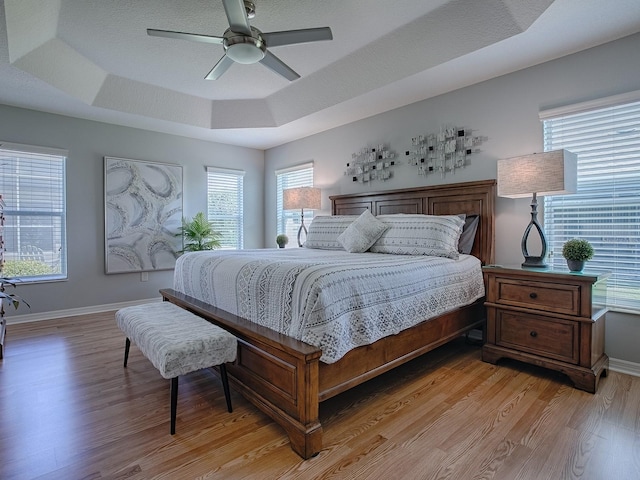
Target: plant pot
column 575, row 265
column 280, row 246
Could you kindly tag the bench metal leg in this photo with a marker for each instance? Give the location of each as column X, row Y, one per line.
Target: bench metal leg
column 174, row 403
column 225, row 385
column 127, row 345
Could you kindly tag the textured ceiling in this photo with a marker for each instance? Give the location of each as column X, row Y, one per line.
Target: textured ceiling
column 93, row 59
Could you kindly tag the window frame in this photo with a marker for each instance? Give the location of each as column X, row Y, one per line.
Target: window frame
column 288, row 221
column 609, row 177
column 226, row 177
column 60, row 157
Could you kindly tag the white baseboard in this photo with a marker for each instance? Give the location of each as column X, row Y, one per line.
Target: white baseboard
column 72, row 312
column 623, row 366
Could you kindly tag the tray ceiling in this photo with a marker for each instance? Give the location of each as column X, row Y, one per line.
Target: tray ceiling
column 93, row 59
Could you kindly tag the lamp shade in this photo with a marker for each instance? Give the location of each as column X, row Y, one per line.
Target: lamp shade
column 549, row 173
column 301, row 197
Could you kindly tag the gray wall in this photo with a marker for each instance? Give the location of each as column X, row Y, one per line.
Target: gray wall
column 505, row 110
column 88, row 142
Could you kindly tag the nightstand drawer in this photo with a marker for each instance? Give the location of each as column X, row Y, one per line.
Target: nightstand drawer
column 551, row 318
column 553, row 338
column 548, row 297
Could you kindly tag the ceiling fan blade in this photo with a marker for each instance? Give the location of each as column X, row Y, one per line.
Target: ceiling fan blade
column 289, row 37
column 275, row 64
column 237, row 16
column 222, row 66
column 193, row 37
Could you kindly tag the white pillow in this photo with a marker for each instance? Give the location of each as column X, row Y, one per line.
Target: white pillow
column 324, row 231
column 362, row 233
column 435, row 235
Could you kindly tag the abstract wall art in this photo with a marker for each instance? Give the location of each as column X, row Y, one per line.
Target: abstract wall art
column 445, row 151
column 143, row 213
column 371, row 163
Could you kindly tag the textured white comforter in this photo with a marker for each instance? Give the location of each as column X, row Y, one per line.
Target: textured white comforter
column 330, row 299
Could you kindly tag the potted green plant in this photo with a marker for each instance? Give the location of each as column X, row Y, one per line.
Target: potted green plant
column 577, row 251
column 282, row 240
column 198, row 234
column 9, row 299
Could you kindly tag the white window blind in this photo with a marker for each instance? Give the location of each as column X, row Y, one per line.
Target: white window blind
column 288, row 220
column 32, row 184
column 225, row 205
column 606, row 208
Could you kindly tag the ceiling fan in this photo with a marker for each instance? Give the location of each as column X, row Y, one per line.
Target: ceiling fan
column 246, row 44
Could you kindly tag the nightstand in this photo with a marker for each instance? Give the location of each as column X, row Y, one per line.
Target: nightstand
column 550, row 318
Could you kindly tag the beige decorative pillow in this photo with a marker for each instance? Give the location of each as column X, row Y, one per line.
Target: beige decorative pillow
column 435, row 235
column 362, row 233
column 324, row 231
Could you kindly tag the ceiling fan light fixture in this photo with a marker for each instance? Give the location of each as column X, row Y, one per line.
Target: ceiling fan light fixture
column 245, row 44
column 244, row 49
column 245, row 53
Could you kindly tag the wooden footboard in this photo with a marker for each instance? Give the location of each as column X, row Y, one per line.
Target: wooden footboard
column 276, row 373
column 285, row 379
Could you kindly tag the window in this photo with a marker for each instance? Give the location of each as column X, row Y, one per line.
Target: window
column 225, row 204
column 606, row 208
column 288, row 220
column 32, row 184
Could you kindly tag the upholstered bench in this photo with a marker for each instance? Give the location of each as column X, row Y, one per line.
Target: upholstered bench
column 177, row 342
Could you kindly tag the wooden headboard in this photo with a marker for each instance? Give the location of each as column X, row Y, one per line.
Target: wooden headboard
column 469, row 198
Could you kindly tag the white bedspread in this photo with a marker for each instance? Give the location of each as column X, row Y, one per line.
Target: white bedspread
column 330, row 299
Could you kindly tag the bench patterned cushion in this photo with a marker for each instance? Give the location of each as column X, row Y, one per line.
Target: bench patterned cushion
column 174, row 340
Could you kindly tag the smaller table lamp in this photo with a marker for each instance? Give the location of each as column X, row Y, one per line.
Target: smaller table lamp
column 301, row 197
column 549, row 173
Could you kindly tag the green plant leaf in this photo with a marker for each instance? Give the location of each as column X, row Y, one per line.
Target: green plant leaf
column 10, row 298
column 577, row 249
column 198, row 234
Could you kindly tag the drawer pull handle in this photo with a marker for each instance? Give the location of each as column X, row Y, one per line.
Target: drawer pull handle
column 533, row 295
column 534, row 333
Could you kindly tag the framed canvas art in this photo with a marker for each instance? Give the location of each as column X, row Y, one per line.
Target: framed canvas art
column 143, row 214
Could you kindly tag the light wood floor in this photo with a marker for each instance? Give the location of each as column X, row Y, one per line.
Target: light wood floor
column 69, row 410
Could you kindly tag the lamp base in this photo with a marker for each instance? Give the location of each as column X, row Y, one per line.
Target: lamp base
column 534, row 262
column 300, row 230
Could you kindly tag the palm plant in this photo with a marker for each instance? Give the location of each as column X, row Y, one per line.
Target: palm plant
column 198, row 234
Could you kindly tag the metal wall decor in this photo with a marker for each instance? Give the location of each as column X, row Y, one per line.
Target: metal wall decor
column 443, row 152
column 371, row 164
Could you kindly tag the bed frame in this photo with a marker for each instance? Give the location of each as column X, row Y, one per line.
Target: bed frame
column 285, row 378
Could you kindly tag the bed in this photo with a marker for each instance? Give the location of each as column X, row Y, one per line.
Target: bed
column 287, row 378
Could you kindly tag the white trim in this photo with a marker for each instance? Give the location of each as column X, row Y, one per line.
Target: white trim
column 302, row 166
column 229, row 171
column 72, row 312
column 590, row 105
column 18, row 147
column 623, row 366
column 626, row 311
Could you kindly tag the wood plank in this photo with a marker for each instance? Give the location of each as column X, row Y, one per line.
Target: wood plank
column 68, row 409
